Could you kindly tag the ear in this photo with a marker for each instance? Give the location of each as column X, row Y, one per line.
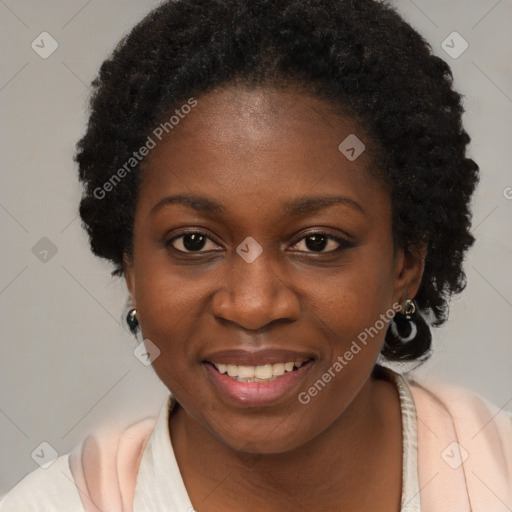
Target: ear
column 129, row 276
column 409, row 267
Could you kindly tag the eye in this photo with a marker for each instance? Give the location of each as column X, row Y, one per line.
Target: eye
column 195, row 241
column 191, row 241
column 317, row 242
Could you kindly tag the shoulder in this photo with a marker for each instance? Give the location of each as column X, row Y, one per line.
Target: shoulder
column 467, row 410
column 48, row 490
column 100, row 472
column 106, row 464
column 464, row 448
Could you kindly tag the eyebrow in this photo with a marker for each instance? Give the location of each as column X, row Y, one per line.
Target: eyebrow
column 299, row 206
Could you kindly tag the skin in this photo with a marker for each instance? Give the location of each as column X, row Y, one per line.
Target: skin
column 252, row 150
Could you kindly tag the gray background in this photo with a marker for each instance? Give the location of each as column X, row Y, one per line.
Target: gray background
column 67, row 363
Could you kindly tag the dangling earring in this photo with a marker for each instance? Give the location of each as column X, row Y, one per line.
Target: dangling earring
column 404, row 321
column 132, row 321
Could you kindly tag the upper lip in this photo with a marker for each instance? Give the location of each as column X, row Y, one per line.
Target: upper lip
column 258, row 357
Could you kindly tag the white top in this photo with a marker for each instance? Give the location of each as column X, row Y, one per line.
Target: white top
column 160, row 487
column 410, row 487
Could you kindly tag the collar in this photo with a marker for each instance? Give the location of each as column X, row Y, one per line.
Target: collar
column 159, row 486
column 410, row 482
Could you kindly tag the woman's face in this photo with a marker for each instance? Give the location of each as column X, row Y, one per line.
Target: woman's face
column 279, row 251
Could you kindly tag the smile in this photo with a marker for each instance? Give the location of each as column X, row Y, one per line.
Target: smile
column 258, row 385
column 261, row 373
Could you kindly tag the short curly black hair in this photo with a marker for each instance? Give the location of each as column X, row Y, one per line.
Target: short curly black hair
column 359, row 55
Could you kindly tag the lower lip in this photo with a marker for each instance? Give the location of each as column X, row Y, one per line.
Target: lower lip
column 252, row 394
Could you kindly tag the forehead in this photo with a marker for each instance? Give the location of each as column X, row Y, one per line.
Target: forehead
column 262, row 143
column 262, row 115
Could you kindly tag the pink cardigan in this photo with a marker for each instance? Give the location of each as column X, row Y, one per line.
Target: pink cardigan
column 454, row 425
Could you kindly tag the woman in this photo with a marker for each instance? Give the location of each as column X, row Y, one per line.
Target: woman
column 284, row 186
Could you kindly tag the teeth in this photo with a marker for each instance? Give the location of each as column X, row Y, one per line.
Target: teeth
column 278, row 369
column 247, row 372
column 262, row 373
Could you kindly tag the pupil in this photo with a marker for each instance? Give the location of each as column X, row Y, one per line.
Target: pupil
column 193, row 241
column 316, row 242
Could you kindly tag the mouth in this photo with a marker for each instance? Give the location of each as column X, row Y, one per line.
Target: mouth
column 262, row 373
column 258, row 385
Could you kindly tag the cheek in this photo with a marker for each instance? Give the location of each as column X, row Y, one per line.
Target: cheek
column 354, row 313
column 353, row 298
column 169, row 316
column 167, row 305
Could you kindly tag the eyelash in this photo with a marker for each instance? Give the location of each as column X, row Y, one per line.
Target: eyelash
column 343, row 242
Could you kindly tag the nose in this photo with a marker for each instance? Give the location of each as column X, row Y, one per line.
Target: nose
column 254, row 295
